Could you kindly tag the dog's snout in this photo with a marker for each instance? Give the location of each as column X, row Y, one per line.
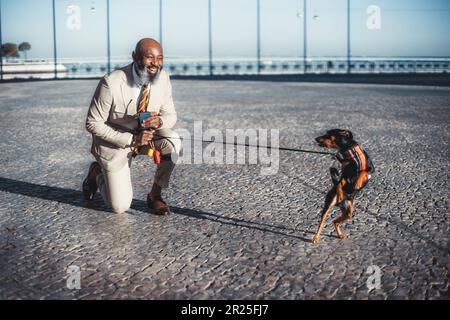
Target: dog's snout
column 320, row 139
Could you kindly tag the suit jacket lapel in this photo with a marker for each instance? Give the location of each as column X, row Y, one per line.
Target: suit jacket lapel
column 127, row 88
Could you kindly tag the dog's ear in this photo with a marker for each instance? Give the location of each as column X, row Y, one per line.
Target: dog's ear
column 347, row 134
column 344, row 138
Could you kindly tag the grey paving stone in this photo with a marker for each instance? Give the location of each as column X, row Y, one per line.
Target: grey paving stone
column 234, row 233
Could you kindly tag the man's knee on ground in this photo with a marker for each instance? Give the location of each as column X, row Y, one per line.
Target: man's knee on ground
column 121, row 206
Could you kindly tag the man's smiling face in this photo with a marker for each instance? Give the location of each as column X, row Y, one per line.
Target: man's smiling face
column 148, row 57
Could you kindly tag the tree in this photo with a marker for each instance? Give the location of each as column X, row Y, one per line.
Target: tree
column 9, row 50
column 24, row 46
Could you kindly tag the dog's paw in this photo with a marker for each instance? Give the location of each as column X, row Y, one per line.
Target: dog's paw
column 340, row 234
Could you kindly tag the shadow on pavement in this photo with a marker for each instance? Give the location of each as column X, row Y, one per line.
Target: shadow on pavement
column 75, row 198
column 141, row 205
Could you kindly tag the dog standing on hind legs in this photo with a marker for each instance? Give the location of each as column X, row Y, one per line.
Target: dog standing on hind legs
column 355, row 173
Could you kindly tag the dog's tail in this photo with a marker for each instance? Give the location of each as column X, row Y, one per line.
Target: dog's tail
column 335, row 176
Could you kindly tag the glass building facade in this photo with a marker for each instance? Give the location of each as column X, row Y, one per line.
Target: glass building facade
column 87, row 38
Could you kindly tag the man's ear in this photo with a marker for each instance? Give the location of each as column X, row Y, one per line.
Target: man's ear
column 133, row 55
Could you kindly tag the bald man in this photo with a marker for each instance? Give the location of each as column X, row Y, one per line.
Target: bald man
column 112, row 122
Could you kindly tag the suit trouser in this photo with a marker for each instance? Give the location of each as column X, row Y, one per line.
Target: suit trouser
column 115, row 186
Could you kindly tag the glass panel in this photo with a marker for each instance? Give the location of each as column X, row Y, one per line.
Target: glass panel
column 401, row 35
column 27, row 22
column 130, row 22
column 389, row 36
column 281, row 36
column 81, row 37
column 234, row 36
column 185, row 36
column 326, row 34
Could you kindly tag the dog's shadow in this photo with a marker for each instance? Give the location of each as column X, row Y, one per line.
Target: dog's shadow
column 75, row 198
column 281, row 230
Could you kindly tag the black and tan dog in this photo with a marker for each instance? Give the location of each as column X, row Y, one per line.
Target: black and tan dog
column 355, row 173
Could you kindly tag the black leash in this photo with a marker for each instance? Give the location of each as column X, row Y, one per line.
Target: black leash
column 249, row 145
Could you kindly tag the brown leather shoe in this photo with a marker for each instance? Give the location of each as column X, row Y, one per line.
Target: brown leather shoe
column 90, row 183
column 158, row 205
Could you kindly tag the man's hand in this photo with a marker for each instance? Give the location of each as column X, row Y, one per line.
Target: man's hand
column 152, row 122
column 143, row 138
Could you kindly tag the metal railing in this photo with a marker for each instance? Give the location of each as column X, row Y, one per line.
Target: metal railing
column 211, row 65
column 204, row 67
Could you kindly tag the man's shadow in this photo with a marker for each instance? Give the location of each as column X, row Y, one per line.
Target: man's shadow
column 75, row 198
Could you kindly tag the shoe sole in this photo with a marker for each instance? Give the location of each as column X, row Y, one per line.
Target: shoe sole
column 89, row 187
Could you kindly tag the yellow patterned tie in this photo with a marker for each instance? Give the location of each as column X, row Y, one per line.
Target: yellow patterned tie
column 143, row 103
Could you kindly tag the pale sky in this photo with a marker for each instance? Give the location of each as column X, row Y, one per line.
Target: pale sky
column 406, row 27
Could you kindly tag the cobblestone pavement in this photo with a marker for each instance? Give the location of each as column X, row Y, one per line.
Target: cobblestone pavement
column 234, row 233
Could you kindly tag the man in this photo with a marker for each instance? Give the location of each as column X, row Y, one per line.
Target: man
column 111, row 120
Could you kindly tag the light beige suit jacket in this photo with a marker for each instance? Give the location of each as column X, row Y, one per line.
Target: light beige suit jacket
column 111, row 120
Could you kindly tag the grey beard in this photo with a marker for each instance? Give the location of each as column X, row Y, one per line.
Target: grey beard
column 143, row 75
